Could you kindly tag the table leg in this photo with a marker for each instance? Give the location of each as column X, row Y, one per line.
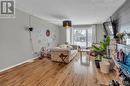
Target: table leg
column 81, row 53
column 89, row 56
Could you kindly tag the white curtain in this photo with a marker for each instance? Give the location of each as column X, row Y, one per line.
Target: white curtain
column 94, row 38
column 98, row 33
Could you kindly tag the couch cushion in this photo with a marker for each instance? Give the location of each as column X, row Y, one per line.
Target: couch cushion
column 63, row 46
column 120, row 55
column 66, row 46
column 127, row 60
column 55, row 49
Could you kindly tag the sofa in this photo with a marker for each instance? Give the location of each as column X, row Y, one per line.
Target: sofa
column 64, row 53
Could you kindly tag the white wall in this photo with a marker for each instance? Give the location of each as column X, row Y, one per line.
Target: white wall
column 39, row 34
column 15, row 46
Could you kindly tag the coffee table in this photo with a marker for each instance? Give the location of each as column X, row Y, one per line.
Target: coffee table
column 85, row 50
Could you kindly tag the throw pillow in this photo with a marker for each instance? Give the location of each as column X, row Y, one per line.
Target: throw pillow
column 127, row 60
column 120, row 56
column 63, row 46
column 69, row 47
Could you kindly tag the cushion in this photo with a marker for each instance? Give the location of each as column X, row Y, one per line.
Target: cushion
column 66, row 46
column 126, row 70
column 120, row 55
column 63, row 46
column 70, row 47
column 127, row 60
column 55, row 49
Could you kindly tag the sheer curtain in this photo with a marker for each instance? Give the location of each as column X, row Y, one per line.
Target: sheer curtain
column 94, row 38
column 98, row 33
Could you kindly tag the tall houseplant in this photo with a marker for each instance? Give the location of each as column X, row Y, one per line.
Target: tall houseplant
column 101, row 51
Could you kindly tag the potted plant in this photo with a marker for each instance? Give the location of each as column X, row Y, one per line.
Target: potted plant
column 101, row 51
column 120, row 37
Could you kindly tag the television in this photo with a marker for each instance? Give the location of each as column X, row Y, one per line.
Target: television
column 108, row 28
column 111, row 28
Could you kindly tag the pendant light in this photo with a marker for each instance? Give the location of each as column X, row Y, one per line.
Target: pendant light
column 67, row 24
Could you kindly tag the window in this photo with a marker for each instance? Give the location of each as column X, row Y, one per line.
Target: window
column 82, row 37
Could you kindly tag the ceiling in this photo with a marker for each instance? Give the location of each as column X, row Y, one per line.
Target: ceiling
column 79, row 11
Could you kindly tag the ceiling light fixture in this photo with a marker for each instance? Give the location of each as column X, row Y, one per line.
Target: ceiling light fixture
column 67, row 24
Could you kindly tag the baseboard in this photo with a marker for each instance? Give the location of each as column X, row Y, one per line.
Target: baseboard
column 29, row 60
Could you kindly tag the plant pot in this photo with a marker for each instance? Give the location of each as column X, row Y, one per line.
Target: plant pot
column 97, row 63
column 105, row 66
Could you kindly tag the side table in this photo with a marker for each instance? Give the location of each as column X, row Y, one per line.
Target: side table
column 85, row 50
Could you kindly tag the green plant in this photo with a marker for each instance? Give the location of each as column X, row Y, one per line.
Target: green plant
column 107, row 41
column 120, row 35
column 101, row 51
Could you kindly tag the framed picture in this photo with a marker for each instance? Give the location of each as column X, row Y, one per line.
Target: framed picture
column 48, row 33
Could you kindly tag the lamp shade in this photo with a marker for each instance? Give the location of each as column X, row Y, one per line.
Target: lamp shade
column 67, row 23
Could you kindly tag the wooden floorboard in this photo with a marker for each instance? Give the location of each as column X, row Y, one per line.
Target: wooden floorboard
column 47, row 73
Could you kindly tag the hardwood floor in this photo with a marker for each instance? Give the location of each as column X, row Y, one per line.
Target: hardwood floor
column 47, row 73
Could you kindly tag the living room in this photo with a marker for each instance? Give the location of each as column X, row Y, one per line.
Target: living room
column 57, row 43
